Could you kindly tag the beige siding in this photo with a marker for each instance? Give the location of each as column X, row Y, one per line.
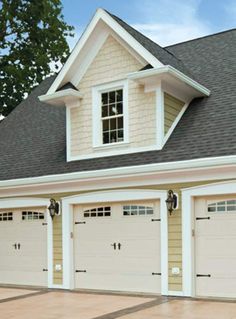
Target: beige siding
column 113, row 62
column 57, row 249
column 172, row 108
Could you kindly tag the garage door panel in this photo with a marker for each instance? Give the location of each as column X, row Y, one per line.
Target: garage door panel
column 129, row 265
column 132, row 247
column 213, row 227
column 25, row 278
column 215, row 243
column 213, row 287
column 23, row 263
column 144, row 266
column 94, row 247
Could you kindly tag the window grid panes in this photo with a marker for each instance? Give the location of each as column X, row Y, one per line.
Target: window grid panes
column 32, row 215
column 98, row 212
column 112, row 116
column 134, row 210
column 6, row 216
column 222, row 206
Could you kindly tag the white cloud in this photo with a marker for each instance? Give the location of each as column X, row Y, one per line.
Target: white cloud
column 171, row 21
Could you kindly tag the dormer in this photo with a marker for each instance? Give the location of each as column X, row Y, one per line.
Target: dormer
column 123, row 93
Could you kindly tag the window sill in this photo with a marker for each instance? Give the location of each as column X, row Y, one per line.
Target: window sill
column 111, row 146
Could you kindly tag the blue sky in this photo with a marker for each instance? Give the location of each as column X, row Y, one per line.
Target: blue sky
column 165, row 21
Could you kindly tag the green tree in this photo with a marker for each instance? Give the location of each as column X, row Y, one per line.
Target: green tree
column 32, row 42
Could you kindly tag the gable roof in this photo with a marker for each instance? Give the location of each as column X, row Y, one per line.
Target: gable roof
column 91, row 40
column 33, row 136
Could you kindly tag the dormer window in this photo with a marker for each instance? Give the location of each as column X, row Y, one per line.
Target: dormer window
column 112, row 116
column 110, row 126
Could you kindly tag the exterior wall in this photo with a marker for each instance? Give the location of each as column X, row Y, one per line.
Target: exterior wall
column 113, row 62
column 172, row 108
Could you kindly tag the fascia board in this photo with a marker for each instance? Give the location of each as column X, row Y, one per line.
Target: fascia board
column 125, row 171
column 60, row 96
column 174, row 72
column 104, row 16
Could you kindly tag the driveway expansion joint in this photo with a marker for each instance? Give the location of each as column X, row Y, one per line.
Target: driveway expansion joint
column 131, row 310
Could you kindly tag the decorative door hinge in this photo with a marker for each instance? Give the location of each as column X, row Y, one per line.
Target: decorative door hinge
column 156, row 220
column 202, row 218
column 78, row 223
column 202, row 275
column 44, row 224
column 44, row 269
column 156, row 273
column 78, row 270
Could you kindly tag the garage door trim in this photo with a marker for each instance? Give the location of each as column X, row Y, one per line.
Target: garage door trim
column 121, row 195
column 16, row 203
column 188, row 194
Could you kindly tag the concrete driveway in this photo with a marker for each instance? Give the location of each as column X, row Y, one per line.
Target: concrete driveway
column 44, row 304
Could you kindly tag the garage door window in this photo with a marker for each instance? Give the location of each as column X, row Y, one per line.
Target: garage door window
column 6, row 217
column 222, row 206
column 134, row 210
column 98, row 212
column 32, row 215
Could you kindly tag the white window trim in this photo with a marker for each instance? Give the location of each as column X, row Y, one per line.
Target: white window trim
column 188, row 251
column 16, row 203
column 96, row 110
column 109, row 197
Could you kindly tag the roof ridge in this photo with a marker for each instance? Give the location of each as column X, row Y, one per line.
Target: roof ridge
column 203, row 37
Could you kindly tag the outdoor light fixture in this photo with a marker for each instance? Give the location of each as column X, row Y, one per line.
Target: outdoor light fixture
column 171, row 201
column 53, row 208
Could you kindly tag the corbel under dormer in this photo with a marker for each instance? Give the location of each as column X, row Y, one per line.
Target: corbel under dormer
column 169, row 84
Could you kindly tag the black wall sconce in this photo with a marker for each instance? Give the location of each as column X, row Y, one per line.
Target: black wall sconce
column 171, row 201
column 53, row 208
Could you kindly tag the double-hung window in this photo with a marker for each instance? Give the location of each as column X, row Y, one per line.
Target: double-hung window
column 110, row 114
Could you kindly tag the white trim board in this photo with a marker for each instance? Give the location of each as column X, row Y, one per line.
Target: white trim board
column 111, row 196
column 12, row 203
column 188, row 252
column 128, row 171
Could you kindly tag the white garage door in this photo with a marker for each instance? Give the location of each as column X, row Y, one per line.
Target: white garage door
column 23, row 247
column 117, row 247
column 215, row 243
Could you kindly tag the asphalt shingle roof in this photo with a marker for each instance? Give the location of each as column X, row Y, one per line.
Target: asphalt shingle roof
column 33, row 136
column 162, row 54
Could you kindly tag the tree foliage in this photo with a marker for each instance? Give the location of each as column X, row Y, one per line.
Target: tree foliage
column 32, row 40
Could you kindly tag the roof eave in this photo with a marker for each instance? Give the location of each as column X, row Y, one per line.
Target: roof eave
column 167, row 69
column 61, row 98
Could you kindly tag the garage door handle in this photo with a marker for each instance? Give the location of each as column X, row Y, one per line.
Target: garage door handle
column 114, row 245
column 18, row 246
column 15, row 245
column 119, row 246
column 201, row 275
